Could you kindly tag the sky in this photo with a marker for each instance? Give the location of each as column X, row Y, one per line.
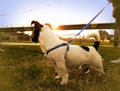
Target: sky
column 17, row 13
column 22, row 12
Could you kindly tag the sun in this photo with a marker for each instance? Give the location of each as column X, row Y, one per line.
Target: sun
column 55, row 25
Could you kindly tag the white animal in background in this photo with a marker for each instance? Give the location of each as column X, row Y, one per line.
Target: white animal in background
column 94, row 35
column 64, row 55
column 116, row 61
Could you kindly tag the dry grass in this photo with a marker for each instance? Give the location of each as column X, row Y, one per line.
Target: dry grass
column 24, row 68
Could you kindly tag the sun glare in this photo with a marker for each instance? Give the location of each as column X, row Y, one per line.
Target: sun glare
column 54, row 26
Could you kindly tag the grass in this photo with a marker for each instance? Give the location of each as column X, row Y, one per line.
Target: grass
column 24, row 68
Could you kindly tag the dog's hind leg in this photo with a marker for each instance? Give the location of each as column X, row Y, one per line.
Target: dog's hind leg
column 98, row 66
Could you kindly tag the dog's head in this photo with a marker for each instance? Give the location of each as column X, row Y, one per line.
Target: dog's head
column 36, row 32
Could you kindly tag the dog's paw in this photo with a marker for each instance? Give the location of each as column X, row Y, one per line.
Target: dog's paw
column 65, row 79
column 87, row 71
column 57, row 77
column 80, row 67
column 64, row 82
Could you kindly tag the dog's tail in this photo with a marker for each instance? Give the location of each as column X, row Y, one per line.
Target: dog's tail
column 96, row 45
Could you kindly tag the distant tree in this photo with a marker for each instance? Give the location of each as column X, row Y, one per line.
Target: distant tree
column 116, row 15
column 4, row 36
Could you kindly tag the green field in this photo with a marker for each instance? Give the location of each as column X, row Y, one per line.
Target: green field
column 24, row 68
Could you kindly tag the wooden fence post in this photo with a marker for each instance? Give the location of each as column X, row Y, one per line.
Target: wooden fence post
column 116, row 37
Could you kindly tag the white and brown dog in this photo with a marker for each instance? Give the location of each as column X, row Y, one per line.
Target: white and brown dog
column 64, row 55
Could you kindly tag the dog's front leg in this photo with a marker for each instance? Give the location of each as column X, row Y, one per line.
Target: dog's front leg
column 57, row 70
column 65, row 79
column 61, row 68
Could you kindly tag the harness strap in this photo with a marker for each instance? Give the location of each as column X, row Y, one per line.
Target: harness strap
column 63, row 44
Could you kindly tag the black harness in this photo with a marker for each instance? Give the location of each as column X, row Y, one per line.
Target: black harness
column 60, row 45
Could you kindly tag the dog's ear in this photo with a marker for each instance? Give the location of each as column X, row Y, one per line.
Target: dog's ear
column 36, row 32
column 37, row 25
column 48, row 24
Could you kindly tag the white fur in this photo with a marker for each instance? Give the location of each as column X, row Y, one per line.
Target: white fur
column 75, row 56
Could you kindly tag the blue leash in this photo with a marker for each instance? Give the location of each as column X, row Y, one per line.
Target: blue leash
column 67, row 44
column 87, row 24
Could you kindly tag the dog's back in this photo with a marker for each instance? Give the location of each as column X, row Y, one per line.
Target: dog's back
column 78, row 55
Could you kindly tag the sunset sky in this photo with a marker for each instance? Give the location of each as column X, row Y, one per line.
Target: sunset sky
column 22, row 12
